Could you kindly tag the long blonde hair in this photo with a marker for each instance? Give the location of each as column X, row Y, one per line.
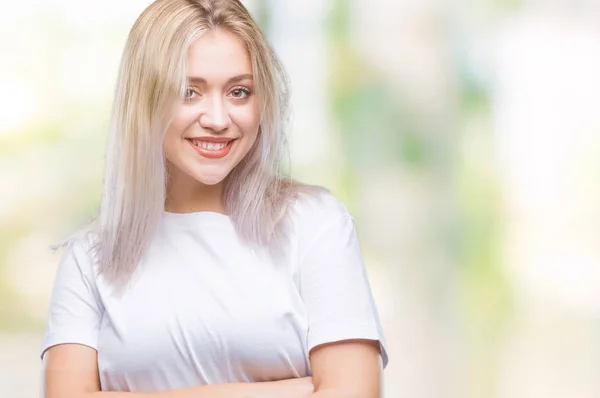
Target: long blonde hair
column 152, row 76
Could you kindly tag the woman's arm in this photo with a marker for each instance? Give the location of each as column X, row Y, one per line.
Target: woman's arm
column 71, row 371
column 345, row 338
column 347, row 369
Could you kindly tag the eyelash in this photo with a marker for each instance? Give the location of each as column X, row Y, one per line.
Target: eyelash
column 189, row 92
column 243, row 90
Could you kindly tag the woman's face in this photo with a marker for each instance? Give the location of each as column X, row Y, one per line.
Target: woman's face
column 217, row 122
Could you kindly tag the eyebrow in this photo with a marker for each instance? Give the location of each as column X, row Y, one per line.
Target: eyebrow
column 234, row 79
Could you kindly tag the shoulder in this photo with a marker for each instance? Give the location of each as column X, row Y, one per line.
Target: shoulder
column 316, row 211
column 319, row 207
column 79, row 251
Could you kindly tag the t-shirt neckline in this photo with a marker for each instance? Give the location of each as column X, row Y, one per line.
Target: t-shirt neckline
column 194, row 218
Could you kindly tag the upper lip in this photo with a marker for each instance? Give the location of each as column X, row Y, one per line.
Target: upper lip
column 212, row 139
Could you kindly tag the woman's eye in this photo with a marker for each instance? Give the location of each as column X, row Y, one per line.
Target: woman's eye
column 190, row 93
column 240, row 93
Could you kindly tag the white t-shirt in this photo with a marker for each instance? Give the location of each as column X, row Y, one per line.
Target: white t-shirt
column 207, row 310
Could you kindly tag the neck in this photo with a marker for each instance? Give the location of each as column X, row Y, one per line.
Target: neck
column 186, row 195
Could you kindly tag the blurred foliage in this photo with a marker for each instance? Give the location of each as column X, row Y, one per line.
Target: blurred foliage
column 378, row 128
column 485, row 294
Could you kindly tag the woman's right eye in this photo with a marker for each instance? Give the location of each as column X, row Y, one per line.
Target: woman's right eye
column 190, row 93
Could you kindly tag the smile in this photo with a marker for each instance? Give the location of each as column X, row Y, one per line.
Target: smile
column 210, row 149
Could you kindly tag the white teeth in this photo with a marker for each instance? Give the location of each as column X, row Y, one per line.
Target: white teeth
column 211, row 146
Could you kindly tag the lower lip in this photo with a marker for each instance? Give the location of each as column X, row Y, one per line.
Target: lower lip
column 207, row 153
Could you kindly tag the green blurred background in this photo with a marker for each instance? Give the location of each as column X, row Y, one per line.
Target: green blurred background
column 462, row 135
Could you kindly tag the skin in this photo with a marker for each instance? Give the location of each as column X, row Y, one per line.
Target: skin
column 219, row 107
column 220, row 103
column 347, row 369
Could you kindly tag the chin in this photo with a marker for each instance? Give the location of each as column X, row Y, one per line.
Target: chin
column 210, row 179
column 211, row 182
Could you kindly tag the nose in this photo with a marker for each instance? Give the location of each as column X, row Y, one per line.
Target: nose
column 214, row 116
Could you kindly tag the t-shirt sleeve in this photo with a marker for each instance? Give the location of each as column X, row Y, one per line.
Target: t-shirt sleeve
column 75, row 309
column 333, row 281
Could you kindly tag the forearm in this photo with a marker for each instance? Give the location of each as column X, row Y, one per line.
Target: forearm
column 71, row 371
column 293, row 388
column 333, row 394
column 231, row 390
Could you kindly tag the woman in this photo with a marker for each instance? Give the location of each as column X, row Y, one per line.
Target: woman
column 207, row 273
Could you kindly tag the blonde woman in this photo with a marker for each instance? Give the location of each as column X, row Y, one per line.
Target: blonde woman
column 207, row 273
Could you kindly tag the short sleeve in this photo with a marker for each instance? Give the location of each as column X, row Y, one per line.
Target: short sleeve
column 333, row 281
column 75, row 309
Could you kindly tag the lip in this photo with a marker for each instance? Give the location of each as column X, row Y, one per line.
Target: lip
column 212, row 139
column 212, row 154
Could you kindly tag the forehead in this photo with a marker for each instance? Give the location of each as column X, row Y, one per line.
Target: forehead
column 217, row 55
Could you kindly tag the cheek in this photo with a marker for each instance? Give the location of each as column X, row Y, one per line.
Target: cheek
column 248, row 121
column 178, row 127
column 180, row 123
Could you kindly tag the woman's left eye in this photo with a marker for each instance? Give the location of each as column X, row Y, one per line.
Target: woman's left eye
column 240, row 93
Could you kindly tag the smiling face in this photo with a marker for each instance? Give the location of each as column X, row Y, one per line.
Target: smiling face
column 216, row 124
